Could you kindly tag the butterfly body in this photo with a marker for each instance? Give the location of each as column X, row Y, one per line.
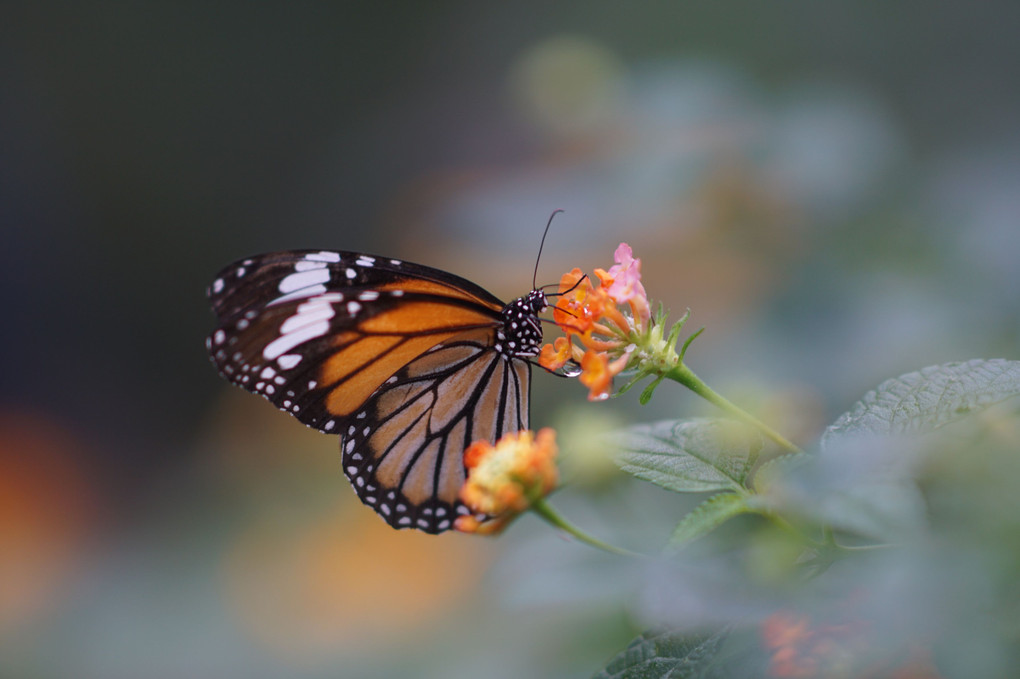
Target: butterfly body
column 408, row 364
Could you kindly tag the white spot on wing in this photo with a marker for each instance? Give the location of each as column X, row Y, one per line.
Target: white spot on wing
column 304, row 279
column 288, row 361
column 365, row 260
column 285, row 343
column 311, row 320
column 324, row 256
column 316, row 309
column 217, row 286
column 298, row 294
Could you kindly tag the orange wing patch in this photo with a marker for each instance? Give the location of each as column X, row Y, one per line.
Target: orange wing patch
column 419, row 317
column 357, row 380
column 383, row 344
column 418, row 285
column 355, row 354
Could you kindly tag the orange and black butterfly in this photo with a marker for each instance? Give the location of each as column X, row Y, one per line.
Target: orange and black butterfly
column 408, row 364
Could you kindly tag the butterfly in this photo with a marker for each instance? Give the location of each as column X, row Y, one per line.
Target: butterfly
column 406, row 363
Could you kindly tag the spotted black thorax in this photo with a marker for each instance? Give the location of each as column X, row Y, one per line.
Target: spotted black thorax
column 521, row 334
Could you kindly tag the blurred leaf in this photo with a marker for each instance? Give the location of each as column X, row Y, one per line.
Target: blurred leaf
column 885, row 511
column 658, row 655
column 769, row 471
column 707, row 516
column 867, row 449
column 929, row 398
column 689, row 456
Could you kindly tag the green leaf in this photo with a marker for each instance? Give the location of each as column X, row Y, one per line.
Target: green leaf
column 706, row 517
column 865, row 474
column 690, row 456
column 929, row 398
column 646, row 395
column 773, row 470
column 667, row 655
column 886, row 511
column 687, row 343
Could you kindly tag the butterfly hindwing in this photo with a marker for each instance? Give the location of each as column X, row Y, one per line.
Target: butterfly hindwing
column 403, row 451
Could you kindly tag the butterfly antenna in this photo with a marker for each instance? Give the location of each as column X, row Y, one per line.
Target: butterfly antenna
column 534, row 277
column 569, row 290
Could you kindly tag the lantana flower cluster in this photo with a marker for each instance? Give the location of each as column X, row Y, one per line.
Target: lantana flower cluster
column 507, row 478
column 608, row 328
column 801, row 649
column 607, row 323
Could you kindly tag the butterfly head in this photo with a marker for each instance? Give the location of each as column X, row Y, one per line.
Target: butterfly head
column 521, row 332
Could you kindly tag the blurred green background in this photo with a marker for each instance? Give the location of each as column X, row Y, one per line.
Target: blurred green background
column 832, row 188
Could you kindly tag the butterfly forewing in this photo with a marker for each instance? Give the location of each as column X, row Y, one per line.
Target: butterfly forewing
column 275, row 277
column 407, row 363
column 316, row 332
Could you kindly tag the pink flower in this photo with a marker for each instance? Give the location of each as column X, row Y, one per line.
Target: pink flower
column 623, row 282
column 626, row 274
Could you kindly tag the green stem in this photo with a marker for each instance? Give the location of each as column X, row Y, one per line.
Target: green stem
column 685, row 376
column 546, row 511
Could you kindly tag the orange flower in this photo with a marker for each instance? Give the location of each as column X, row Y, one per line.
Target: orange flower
column 554, row 356
column 788, row 636
column 597, row 373
column 581, row 304
column 507, row 478
column 801, row 649
column 604, row 320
